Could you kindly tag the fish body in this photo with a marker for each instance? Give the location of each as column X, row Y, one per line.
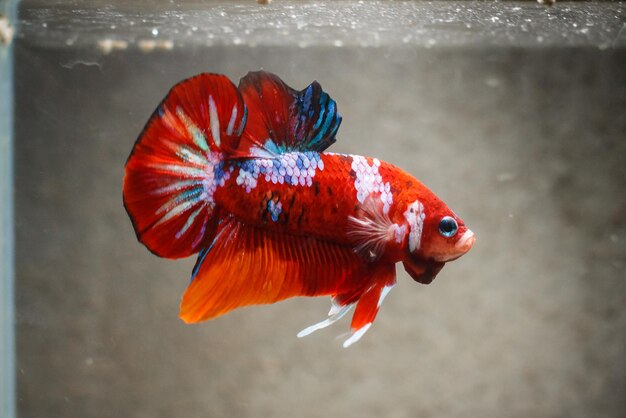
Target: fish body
column 310, row 193
column 241, row 176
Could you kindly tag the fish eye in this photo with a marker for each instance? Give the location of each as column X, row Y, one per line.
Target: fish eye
column 448, row 226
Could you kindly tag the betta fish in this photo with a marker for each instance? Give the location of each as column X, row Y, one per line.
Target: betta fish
column 241, row 176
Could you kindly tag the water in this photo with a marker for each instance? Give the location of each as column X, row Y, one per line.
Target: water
column 513, row 113
column 315, row 24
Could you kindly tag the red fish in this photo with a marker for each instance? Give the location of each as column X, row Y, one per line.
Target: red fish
column 240, row 176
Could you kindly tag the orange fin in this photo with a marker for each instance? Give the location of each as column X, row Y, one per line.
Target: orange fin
column 247, row 265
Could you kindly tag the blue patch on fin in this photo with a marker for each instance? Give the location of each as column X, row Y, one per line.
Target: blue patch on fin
column 283, row 120
column 314, row 119
column 199, row 261
column 202, row 255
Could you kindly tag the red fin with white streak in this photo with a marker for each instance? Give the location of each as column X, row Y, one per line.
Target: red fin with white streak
column 370, row 301
column 381, row 278
column 247, row 265
column 176, row 165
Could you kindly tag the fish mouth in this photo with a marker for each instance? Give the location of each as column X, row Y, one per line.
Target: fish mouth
column 464, row 243
column 425, row 270
column 462, row 246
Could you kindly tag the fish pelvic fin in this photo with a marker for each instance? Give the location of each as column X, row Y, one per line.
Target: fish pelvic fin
column 370, row 301
column 177, row 163
column 336, row 313
column 282, row 119
column 248, row 265
column 381, row 278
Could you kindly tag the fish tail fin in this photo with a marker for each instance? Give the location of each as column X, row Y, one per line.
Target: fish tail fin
column 177, row 163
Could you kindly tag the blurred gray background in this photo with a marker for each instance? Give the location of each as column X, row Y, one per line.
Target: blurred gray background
column 526, row 143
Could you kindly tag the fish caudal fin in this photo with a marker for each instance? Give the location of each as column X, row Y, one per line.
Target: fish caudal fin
column 177, row 163
column 247, row 265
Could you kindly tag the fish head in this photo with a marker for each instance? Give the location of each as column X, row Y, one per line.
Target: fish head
column 436, row 236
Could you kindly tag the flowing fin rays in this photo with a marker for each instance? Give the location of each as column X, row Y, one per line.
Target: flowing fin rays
column 373, row 230
column 356, row 336
column 179, row 185
column 231, row 122
column 335, row 314
column 188, row 196
column 194, row 131
column 186, row 153
column 193, row 171
column 180, row 169
column 182, row 204
column 215, row 122
column 189, row 222
column 370, row 236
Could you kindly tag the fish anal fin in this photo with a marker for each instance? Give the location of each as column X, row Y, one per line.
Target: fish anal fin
column 248, row 265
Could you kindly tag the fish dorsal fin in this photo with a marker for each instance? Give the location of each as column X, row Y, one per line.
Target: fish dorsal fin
column 372, row 229
column 281, row 119
column 247, row 265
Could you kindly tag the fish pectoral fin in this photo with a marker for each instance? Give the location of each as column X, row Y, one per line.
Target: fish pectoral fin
column 371, row 230
column 247, row 265
column 370, row 301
